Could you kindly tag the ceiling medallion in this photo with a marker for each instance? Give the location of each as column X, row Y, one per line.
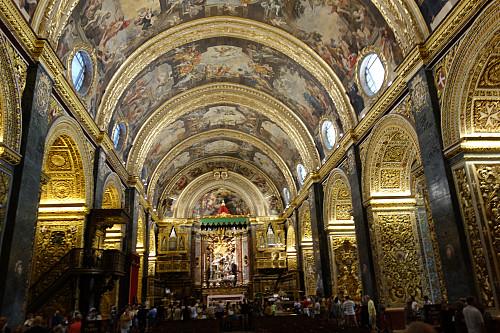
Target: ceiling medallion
column 220, row 174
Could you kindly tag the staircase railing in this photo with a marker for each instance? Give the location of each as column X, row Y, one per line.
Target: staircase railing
column 78, row 261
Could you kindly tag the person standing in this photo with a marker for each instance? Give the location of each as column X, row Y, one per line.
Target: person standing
column 372, row 313
column 3, row 325
column 76, row 327
column 350, row 313
column 473, row 317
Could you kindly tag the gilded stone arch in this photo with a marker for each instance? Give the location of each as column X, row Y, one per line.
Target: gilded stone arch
column 67, row 132
column 471, row 99
column 12, row 79
column 392, row 154
column 256, row 202
column 337, row 202
column 113, row 194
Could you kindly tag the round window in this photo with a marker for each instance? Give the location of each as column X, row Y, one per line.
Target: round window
column 372, row 74
column 329, row 135
column 301, row 172
column 119, row 135
column 81, row 71
column 286, row 194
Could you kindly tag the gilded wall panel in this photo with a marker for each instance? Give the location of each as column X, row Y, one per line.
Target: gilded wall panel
column 398, row 256
column 473, row 227
column 305, row 222
column 4, row 195
column 346, row 274
column 309, row 272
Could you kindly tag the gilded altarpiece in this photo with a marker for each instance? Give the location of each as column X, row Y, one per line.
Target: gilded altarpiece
column 396, row 255
column 477, row 186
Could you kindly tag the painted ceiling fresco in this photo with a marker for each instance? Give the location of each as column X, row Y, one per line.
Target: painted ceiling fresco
column 218, row 147
column 210, row 203
column 251, row 64
column 223, row 116
column 189, row 174
column 336, row 29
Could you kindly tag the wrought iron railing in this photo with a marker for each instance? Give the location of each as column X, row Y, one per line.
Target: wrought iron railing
column 79, row 261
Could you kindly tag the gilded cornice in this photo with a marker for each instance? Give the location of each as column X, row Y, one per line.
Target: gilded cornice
column 223, row 133
column 237, row 183
column 253, row 168
column 223, row 93
column 9, row 155
column 223, row 26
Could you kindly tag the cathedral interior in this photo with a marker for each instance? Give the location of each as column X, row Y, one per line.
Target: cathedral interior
column 173, row 149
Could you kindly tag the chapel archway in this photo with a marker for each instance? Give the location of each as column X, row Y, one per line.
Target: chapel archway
column 344, row 258
column 401, row 234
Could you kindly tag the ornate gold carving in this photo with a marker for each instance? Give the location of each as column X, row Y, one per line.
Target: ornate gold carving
column 4, row 194
column 441, row 70
column 486, row 115
column 491, row 74
column 394, row 154
column 309, row 272
column 53, row 240
column 305, row 222
column 398, row 257
column 489, row 183
column 390, row 179
column 346, row 268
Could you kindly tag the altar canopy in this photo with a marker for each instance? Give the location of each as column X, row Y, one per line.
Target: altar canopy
column 224, row 219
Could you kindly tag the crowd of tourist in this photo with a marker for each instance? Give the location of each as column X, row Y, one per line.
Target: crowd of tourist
column 465, row 316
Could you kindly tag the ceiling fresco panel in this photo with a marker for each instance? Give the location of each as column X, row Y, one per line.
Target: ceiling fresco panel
column 223, row 116
column 336, row 29
column 248, row 63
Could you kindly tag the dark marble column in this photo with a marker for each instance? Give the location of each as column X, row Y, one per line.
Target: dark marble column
column 450, row 232
column 99, row 176
column 20, row 225
column 132, row 207
column 145, row 260
column 354, row 174
column 320, row 242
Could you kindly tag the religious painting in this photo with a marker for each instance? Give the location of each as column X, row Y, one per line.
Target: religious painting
column 209, row 204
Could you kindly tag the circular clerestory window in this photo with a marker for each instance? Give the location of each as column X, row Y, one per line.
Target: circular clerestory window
column 372, row 74
column 329, row 134
column 81, row 71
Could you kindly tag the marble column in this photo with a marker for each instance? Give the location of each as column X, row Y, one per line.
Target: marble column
column 99, row 176
column 450, row 231
column 20, row 225
column 320, row 242
column 132, row 207
column 362, row 227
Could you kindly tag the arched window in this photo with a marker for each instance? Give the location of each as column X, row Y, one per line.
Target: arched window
column 119, row 135
column 286, row 195
column 172, row 240
column 271, row 239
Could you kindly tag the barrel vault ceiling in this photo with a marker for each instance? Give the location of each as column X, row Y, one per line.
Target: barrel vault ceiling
column 239, row 86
